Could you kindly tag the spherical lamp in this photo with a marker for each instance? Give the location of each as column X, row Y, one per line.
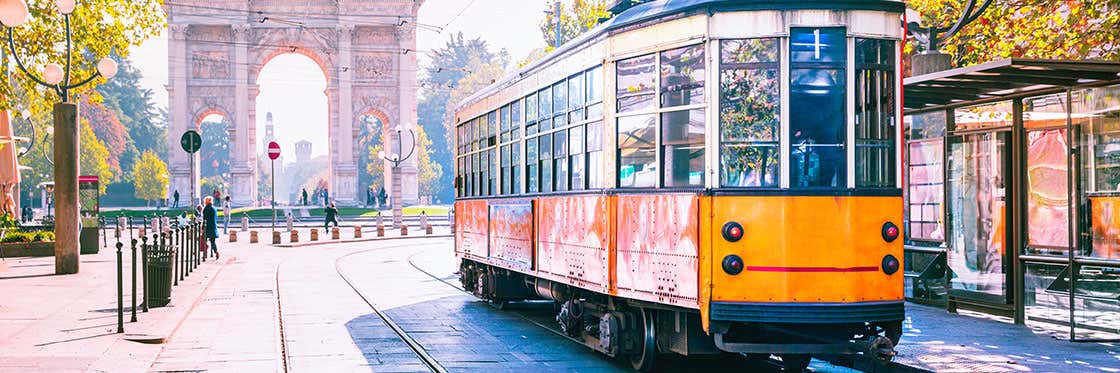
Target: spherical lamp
column 381, row 154
column 65, row 6
column 107, row 67
column 13, row 12
column 52, row 74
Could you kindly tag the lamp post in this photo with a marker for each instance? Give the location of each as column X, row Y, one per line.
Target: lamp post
column 396, row 159
column 55, row 77
column 930, row 37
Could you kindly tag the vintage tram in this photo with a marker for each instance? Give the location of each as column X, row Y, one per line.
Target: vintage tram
column 697, row 177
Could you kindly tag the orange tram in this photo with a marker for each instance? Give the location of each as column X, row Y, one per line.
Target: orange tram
column 697, row 177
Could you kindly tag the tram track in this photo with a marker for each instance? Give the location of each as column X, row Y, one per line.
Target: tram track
column 285, row 364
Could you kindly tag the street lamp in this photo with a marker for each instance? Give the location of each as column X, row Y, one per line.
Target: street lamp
column 55, row 77
column 396, row 160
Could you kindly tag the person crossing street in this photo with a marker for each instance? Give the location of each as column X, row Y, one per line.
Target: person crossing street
column 331, row 216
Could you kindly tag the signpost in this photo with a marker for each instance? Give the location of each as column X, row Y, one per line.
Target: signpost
column 191, row 142
column 273, row 153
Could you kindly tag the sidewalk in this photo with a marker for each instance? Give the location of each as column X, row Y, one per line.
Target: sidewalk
column 973, row 342
column 69, row 323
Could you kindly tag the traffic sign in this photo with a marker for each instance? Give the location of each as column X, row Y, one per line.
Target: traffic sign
column 191, row 141
column 273, row 150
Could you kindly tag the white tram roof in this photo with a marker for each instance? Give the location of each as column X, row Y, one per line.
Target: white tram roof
column 660, row 9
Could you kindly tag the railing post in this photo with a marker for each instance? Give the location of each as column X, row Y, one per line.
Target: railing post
column 133, row 280
column 144, row 267
column 120, row 289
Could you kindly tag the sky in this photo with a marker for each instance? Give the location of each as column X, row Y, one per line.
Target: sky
column 292, row 85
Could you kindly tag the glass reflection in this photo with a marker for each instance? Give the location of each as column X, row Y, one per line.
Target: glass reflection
column 637, row 166
column 749, row 113
column 977, row 195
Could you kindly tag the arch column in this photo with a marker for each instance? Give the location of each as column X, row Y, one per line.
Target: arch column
column 344, row 170
column 242, row 170
column 179, row 171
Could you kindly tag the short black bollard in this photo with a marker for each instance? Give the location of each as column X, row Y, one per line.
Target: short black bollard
column 120, row 289
column 128, row 221
column 167, row 245
column 144, row 268
column 134, row 280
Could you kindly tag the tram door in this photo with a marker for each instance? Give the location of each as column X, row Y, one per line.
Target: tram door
column 977, row 191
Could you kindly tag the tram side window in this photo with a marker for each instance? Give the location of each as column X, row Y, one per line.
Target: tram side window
column 531, row 114
column 637, row 152
column 505, row 157
column 575, row 98
column 560, row 160
column 546, row 162
column 594, row 92
column 636, row 78
column 595, row 155
column 750, row 115
column 682, row 140
column 818, row 130
column 544, row 97
column 577, row 158
column 531, row 169
column 493, row 172
column 492, row 129
column 875, row 113
column 505, row 127
column 682, row 76
column 516, row 175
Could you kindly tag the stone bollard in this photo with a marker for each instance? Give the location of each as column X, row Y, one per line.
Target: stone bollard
column 380, row 230
column 295, row 236
column 334, row 233
column 404, row 229
column 233, row 236
column 253, row 238
column 357, row 231
column 275, row 237
column 244, row 223
column 428, row 229
column 314, row 234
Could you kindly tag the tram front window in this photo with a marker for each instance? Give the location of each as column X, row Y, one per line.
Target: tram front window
column 818, row 156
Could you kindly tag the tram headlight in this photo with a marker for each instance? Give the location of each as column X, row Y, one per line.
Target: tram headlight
column 732, row 231
column 890, row 264
column 890, row 232
column 732, row 264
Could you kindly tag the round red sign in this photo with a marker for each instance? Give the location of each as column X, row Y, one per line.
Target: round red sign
column 273, row 150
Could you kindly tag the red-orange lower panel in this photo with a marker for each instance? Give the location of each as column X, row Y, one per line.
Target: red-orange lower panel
column 573, row 242
column 657, row 248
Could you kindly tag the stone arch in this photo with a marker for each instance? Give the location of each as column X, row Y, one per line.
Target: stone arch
column 269, row 54
column 202, row 114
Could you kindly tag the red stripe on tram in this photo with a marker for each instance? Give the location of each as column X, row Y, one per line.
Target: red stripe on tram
column 813, row 269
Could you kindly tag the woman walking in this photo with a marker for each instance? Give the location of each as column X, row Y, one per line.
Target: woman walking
column 210, row 217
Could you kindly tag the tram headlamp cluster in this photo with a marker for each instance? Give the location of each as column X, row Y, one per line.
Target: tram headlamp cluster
column 890, row 232
column 890, row 264
column 732, row 231
column 732, row 264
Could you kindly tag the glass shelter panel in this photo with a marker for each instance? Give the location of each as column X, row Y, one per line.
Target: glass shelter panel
column 977, row 192
column 1047, row 175
column 1096, row 112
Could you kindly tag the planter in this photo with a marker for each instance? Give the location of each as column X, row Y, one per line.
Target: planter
column 14, row 249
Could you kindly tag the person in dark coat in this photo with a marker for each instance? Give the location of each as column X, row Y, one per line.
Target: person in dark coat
column 176, row 199
column 210, row 218
column 331, row 216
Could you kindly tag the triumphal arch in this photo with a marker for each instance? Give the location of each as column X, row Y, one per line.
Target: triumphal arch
column 216, row 49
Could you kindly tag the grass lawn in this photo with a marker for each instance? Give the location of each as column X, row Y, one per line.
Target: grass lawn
column 416, row 210
column 113, row 214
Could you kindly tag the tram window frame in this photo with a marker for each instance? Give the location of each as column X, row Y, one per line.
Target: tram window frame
column 637, row 97
column 532, row 170
column 876, row 119
column 763, row 138
column 697, row 77
column 593, row 137
column 544, row 147
column 823, row 136
column 560, row 160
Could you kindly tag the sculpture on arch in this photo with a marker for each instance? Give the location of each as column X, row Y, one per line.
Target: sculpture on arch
column 217, row 48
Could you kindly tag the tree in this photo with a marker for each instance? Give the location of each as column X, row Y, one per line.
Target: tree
column 376, row 168
column 430, row 173
column 580, row 16
column 136, row 109
column 1084, row 29
column 111, row 133
column 150, row 177
column 369, row 135
column 94, row 159
column 450, row 64
column 100, row 28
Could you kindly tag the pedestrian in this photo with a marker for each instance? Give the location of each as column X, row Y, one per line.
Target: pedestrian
column 331, row 216
column 209, row 217
column 176, row 198
column 226, row 209
column 304, row 200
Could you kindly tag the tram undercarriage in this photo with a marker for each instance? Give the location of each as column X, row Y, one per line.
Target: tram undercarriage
column 640, row 331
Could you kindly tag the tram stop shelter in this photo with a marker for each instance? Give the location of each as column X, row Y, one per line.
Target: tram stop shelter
column 1013, row 192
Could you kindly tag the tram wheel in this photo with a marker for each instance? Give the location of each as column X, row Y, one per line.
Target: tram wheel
column 642, row 361
column 795, row 362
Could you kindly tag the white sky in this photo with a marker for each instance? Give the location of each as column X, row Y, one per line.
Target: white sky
column 292, row 85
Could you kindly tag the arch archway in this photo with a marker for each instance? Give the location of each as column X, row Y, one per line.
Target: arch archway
column 218, row 65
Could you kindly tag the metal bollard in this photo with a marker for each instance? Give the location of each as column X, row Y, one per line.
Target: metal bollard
column 290, row 221
column 120, row 289
column 244, row 223
column 144, row 267
column 133, row 280
column 423, row 219
column 163, row 239
column 105, row 232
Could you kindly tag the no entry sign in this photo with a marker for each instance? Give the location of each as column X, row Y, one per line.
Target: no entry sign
column 273, row 150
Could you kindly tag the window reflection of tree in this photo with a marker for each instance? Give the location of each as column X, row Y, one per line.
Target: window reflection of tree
column 749, row 113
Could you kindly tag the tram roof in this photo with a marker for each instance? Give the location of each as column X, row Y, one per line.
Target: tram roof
column 1003, row 79
column 653, row 10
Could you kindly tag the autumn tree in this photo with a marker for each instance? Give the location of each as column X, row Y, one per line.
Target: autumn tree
column 150, row 177
column 1082, row 29
column 111, row 133
column 376, row 168
column 575, row 19
column 369, row 136
column 100, row 28
column 94, row 159
column 430, row 172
